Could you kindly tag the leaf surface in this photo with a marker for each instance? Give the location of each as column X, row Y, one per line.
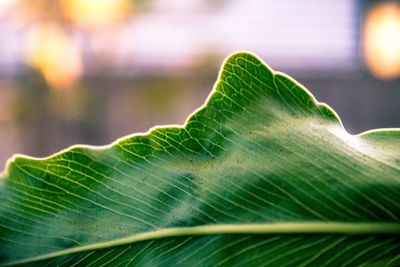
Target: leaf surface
column 261, row 174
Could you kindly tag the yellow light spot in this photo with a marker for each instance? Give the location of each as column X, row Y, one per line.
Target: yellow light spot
column 382, row 40
column 88, row 12
column 55, row 55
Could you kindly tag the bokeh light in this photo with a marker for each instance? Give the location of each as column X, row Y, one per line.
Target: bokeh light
column 382, row 40
column 92, row 12
column 54, row 54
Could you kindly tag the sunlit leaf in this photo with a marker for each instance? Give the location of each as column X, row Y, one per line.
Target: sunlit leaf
column 262, row 174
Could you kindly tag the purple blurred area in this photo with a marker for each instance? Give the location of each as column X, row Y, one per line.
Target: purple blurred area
column 91, row 71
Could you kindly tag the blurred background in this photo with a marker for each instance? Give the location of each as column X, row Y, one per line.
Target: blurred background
column 91, row 71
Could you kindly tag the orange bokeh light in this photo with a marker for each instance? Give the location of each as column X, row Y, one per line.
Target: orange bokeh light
column 92, row 12
column 382, row 40
column 55, row 55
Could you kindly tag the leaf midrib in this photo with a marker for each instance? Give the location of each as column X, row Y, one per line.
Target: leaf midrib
column 220, row 229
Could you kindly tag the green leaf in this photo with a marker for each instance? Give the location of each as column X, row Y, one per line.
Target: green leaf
column 262, row 174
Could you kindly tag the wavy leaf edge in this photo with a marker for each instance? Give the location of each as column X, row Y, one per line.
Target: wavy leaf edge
column 190, row 116
column 264, row 228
